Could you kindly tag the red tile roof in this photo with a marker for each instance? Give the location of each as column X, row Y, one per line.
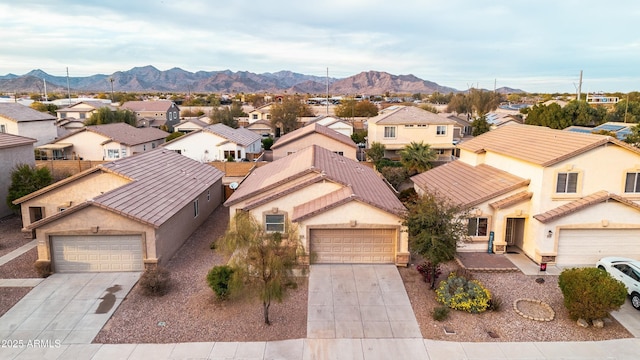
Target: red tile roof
column 313, row 164
column 311, row 129
column 10, row 140
column 468, row 185
column 577, row 205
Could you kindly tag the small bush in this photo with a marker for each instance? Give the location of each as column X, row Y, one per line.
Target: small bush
column 426, row 269
column 462, row 272
column 267, row 143
column 440, row 313
column 460, row 293
column 212, row 245
column 495, row 304
column 590, row 293
column 43, row 268
column 155, row 281
column 218, row 279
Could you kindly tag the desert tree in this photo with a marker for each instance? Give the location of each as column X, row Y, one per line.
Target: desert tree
column 480, row 126
column 416, row 157
column 105, row 115
column 285, row 115
column 376, row 152
column 26, row 179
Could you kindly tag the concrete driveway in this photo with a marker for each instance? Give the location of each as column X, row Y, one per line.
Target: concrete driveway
column 359, row 301
column 628, row 317
column 67, row 308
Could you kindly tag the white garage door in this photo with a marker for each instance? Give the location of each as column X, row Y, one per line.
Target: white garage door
column 353, row 245
column 97, row 253
column 586, row 246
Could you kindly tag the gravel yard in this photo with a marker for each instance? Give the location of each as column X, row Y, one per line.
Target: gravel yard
column 506, row 324
column 190, row 312
column 11, row 236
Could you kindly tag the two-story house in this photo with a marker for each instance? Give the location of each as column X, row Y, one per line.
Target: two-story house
column 314, row 134
column 333, row 122
column 397, row 126
column 24, row 121
column 104, row 142
column 556, row 196
column 14, row 150
column 154, row 113
column 82, row 110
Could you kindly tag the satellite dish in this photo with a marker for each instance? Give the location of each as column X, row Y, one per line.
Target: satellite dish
column 233, row 185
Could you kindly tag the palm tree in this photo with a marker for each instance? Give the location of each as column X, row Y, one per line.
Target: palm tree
column 417, row 157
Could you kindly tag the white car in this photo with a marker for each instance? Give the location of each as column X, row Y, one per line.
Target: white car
column 626, row 270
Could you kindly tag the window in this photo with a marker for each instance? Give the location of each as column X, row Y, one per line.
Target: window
column 339, row 153
column 230, row 153
column 3, row 128
column 268, row 116
column 83, row 116
column 195, row 208
column 144, row 147
column 439, row 151
column 113, row 154
column 153, row 145
column 632, row 185
column 389, row 132
column 422, row 125
column 408, row 126
column 208, row 195
column 254, row 116
column 274, row 223
column 477, row 226
column 567, row 182
column 36, row 213
column 441, row 130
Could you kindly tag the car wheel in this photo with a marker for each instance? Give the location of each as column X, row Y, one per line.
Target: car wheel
column 635, row 300
column 601, row 268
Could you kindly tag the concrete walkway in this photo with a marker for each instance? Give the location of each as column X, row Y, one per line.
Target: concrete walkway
column 17, row 252
column 359, row 301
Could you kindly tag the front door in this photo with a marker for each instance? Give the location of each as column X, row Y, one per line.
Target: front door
column 514, row 232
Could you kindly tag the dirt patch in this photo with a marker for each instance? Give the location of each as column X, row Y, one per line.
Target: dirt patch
column 11, row 236
column 21, row 267
column 504, row 325
column 9, row 296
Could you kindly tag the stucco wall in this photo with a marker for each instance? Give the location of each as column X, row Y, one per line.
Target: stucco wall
column 404, row 136
column 9, row 158
column 315, row 138
column 200, row 146
column 44, row 131
column 86, row 144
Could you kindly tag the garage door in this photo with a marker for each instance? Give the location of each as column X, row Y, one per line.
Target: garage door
column 586, row 246
column 353, row 245
column 97, row 253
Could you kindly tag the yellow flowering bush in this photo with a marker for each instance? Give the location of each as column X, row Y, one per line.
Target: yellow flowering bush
column 459, row 293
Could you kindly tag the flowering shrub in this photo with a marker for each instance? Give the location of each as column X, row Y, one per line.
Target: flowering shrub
column 461, row 294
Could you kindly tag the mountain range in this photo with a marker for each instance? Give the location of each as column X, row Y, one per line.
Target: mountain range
column 150, row 79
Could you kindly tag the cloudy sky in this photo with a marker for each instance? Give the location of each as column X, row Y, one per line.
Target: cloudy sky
column 537, row 46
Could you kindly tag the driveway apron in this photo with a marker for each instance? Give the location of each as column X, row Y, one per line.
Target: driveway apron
column 359, row 301
column 67, row 308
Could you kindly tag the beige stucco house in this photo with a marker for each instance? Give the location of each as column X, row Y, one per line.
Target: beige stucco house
column 333, row 122
column 24, row 121
column 193, row 124
column 104, row 142
column 344, row 212
column 314, row 134
column 82, row 110
column 397, row 126
column 14, row 150
column 121, row 215
column 556, row 196
column 260, row 113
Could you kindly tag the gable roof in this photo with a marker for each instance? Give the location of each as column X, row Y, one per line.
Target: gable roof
column 10, row 140
column 146, row 198
column 360, row 182
column 400, row 115
column 537, row 144
column 122, row 133
column 195, row 121
column 160, row 105
column 240, row 136
column 265, row 123
column 468, row 185
column 20, row 113
column 93, row 104
column 577, row 205
column 310, row 129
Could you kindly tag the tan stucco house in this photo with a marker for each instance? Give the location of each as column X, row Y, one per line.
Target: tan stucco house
column 556, row 196
column 343, row 211
column 24, row 121
column 121, row 215
column 314, row 134
column 154, row 113
column 14, row 150
column 82, row 110
column 333, row 122
column 104, row 142
column 397, row 126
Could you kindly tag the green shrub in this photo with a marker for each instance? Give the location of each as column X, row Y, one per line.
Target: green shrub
column 590, row 293
column 155, row 281
column 218, row 279
column 495, row 304
column 460, row 293
column 267, row 143
column 440, row 313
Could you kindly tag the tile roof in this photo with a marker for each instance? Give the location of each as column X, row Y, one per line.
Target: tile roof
column 162, row 183
column 161, row 105
column 123, row 133
column 511, row 200
column 195, row 121
column 94, row 104
column 400, row 115
column 10, row 140
column 259, row 122
column 321, row 204
column 577, row 205
column 468, row 185
column 240, row 136
column 20, row 113
column 537, row 144
column 310, row 129
column 313, row 164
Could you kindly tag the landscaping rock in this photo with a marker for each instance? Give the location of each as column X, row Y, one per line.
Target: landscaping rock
column 583, row 323
column 598, row 323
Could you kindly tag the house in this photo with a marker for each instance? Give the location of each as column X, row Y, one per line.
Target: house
column 462, row 127
column 189, row 125
column 343, row 211
column 104, row 142
column 82, row 110
column 154, row 113
column 620, row 129
column 121, row 215
column 497, row 120
column 24, row 121
column 260, row 113
column 556, row 196
column 314, row 134
column 261, row 127
column 217, row 142
column 397, row 126
column 14, row 150
column 338, row 124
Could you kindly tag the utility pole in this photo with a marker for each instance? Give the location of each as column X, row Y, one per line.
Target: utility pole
column 327, row 91
column 111, row 81
column 68, row 88
column 626, row 109
column 580, row 86
column 45, row 89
